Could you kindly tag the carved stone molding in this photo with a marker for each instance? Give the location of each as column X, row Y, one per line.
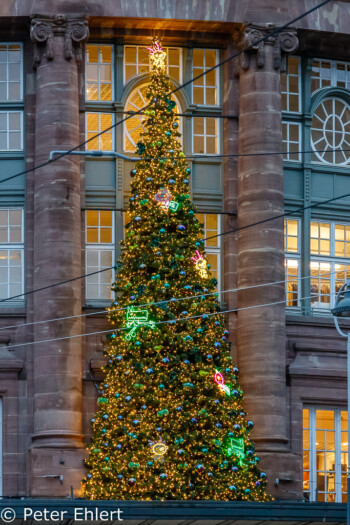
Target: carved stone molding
column 256, row 38
column 44, row 29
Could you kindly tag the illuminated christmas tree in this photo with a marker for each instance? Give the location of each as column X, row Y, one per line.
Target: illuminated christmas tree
column 170, row 423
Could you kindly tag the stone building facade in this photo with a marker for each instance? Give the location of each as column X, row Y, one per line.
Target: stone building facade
column 70, row 69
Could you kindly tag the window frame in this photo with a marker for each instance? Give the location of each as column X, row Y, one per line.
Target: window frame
column 288, row 255
column 218, row 142
column 218, row 86
column 99, row 101
column 331, row 259
column 21, row 80
column 112, row 131
column 287, row 92
column 98, row 247
column 16, row 246
column 286, row 151
column 313, row 492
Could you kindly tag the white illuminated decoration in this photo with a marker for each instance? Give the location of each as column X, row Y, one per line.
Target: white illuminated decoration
column 201, row 264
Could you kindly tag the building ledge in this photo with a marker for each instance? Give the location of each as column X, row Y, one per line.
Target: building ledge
column 198, row 512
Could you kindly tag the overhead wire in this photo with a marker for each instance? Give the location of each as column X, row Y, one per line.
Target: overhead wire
column 170, row 321
column 176, row 299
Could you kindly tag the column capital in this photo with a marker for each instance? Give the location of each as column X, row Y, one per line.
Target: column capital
column 43, row 30
column 282, row 43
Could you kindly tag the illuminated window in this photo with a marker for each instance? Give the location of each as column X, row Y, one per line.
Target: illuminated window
column 134, row 126
column 205, row 135
column 329, row 269
column 11, row 76
column 325, row 454
column 95, row 123
column 292, row 261
column 320, row 238
column 11, row 253
column 100, row 254
column 211, row 224
column 99, row 64
column 205, row 89
column 290, row 85
column 137, row 61
column 291, row 135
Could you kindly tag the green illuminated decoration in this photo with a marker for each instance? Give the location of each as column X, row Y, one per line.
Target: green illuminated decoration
column 236, row 447
column 136, row 318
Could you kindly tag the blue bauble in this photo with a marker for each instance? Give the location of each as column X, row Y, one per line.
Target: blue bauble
column 119, row 446
column 136, row 422
column 149, row 371
column 179, row 409
column 163, row 476
column 175, row 125
column 218, row 425
column 137, row 219
column 128, row 399
column 232, row 488
column 88, row 476
column 120, row 418
column 193, row 420
column 186, row 181
column 105, row 416
column 120, row 476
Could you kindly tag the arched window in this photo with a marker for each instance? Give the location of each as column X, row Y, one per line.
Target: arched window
column 134, row 126
column 330, row 132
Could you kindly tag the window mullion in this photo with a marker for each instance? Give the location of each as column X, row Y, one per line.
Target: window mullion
column 312, row 447
column 337, row 461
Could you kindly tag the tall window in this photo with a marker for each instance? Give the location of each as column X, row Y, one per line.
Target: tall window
column 11, row 90
column 99, row 96
column 330, row 263
column 100, row 254
column 99, row 85
column 325, row 454
column 11, row 253
column 290, row 85
column 292, row 260
column 211, row 224
column 291, row 137
column 205, row 94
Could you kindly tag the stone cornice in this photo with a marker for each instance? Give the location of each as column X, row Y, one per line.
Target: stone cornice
column 283, row 43
column 43, row 30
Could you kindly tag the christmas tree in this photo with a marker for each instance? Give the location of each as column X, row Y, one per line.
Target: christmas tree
column 170, row 423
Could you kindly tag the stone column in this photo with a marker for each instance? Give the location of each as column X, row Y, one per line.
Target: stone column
column 261, row 331
column 57, row 447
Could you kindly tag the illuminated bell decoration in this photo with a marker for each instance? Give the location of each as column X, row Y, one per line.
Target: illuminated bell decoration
column 220, row 381
column 201, row 265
